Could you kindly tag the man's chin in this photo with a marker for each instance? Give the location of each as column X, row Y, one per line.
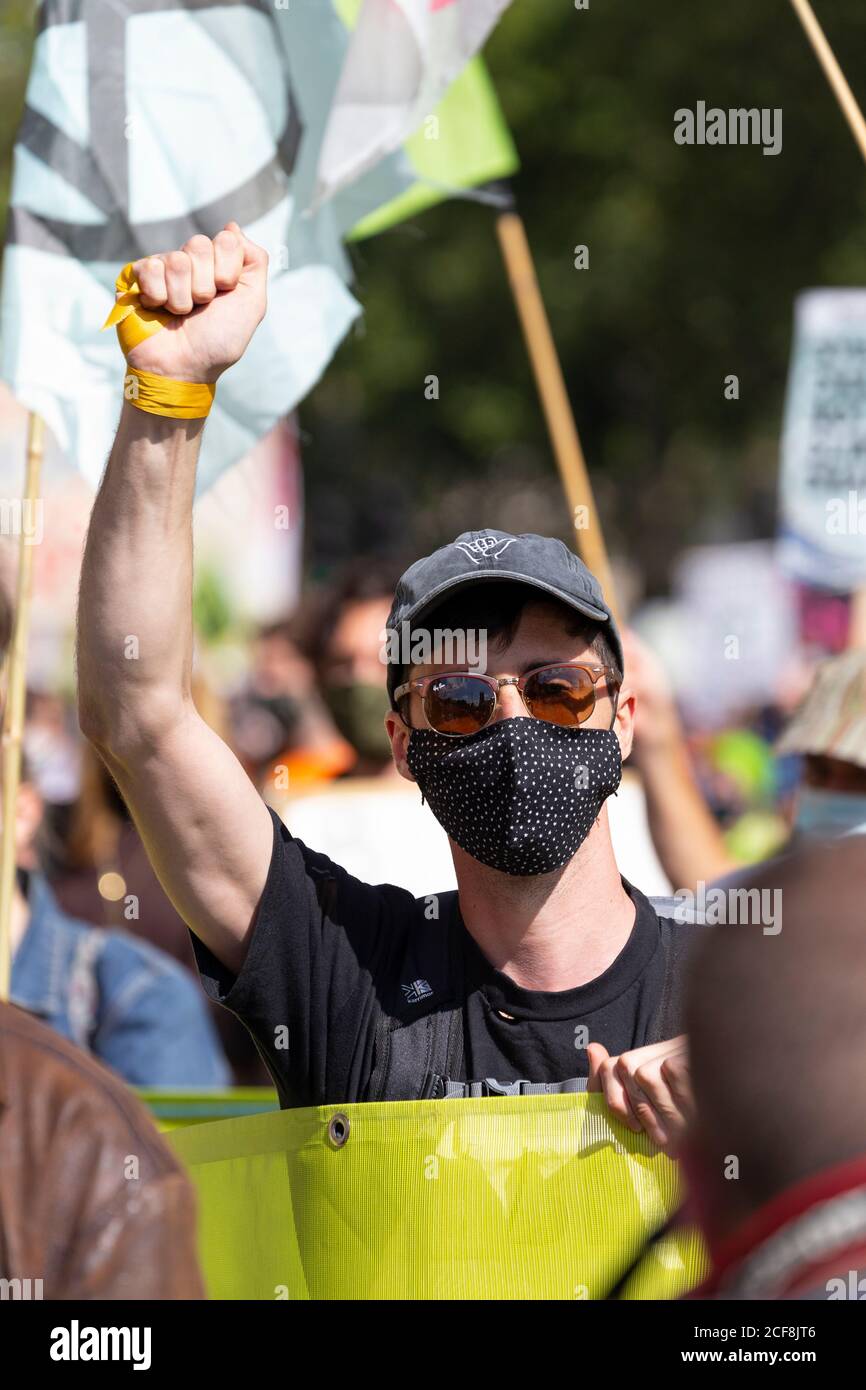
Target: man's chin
column 507, row 876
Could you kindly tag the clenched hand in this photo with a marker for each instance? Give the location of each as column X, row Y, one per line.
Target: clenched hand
column 217, row 290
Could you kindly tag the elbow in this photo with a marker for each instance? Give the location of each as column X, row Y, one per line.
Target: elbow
column 94, row 703
column 125, row 733
column 92, row 722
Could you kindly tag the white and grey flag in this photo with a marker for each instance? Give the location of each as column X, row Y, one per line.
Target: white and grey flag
column 147, row 121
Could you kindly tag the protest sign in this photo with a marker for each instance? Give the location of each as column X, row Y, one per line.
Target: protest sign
column 515, row 1197
column 739, row 612
column 823, row 480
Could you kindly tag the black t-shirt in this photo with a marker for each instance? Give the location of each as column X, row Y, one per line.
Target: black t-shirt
column 330, row 955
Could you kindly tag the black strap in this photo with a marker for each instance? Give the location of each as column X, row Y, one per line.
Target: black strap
column 416, row 1046
column 455, row 1090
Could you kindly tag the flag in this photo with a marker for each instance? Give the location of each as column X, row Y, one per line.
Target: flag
column 403, row 56
column 466, row 143
column 145, row 122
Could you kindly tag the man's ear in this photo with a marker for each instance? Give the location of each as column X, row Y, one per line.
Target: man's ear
column 623, row 724
column 398, row 733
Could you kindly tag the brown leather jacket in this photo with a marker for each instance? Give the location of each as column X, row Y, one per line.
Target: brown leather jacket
column 92, row 1201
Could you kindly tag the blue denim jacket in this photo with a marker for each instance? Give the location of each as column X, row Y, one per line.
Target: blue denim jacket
column 128, row 1003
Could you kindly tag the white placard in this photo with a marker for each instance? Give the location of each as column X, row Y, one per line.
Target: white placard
column 823, row 481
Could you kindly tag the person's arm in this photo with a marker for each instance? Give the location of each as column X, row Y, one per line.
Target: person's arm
column 141, row 1246
column 687, row 839
column 154, row 1027
column 205, row 828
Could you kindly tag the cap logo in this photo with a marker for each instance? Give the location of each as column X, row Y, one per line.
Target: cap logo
column 485, row 548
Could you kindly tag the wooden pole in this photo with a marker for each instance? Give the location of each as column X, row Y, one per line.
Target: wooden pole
column 564, row 438
column 13, row 713
column 857, row 125
column 832, row 71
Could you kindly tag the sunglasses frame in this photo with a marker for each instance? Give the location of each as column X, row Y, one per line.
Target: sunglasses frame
column 421, row 684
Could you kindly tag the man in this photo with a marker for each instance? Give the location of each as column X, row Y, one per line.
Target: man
column 128, row 1003
column 545, row 965
column 343, row 639
column 281, row 728
column 776, row 1158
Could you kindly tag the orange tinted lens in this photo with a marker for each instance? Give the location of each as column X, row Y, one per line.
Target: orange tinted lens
column 458, row 704
column 560, row 694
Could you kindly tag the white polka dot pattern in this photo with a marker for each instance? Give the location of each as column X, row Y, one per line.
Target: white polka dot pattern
column 520, row 795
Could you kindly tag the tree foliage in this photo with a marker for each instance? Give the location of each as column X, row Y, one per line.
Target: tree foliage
column 695, row 257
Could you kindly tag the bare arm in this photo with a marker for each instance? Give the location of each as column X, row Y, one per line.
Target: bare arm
column 687, row 839
column 205, row 828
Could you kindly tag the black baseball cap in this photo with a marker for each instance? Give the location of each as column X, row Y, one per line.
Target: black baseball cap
column 541, row 562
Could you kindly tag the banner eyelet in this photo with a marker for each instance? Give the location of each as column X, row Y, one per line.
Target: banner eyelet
column 339, row 1126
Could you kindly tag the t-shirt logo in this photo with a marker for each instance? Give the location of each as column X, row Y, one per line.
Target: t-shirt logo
column 485, row 547
column 416, row 991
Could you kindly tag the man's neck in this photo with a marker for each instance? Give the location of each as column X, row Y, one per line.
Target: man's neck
column 549, row 932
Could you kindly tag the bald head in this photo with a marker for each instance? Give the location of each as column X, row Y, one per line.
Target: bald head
column 777, row 1029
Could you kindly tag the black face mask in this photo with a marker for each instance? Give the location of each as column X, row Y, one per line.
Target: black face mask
column 520, row 795
column 358, row 710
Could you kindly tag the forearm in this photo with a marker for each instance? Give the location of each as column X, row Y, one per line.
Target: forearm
column 685, row 834
column 135, row 606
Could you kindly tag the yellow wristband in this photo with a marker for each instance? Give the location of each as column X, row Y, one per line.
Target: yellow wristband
column 158, row 395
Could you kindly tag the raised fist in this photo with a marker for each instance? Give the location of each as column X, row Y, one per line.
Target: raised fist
column 217, row 291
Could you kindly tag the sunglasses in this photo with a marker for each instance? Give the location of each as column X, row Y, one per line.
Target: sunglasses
column 461, row 702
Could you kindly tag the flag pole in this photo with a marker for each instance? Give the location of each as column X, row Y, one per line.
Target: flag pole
column 857, row 125
column 562, row 429
column 832, row 71
column 13, row 712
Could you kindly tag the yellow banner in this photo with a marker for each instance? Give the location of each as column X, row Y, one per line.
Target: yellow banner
column 523, row 1197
